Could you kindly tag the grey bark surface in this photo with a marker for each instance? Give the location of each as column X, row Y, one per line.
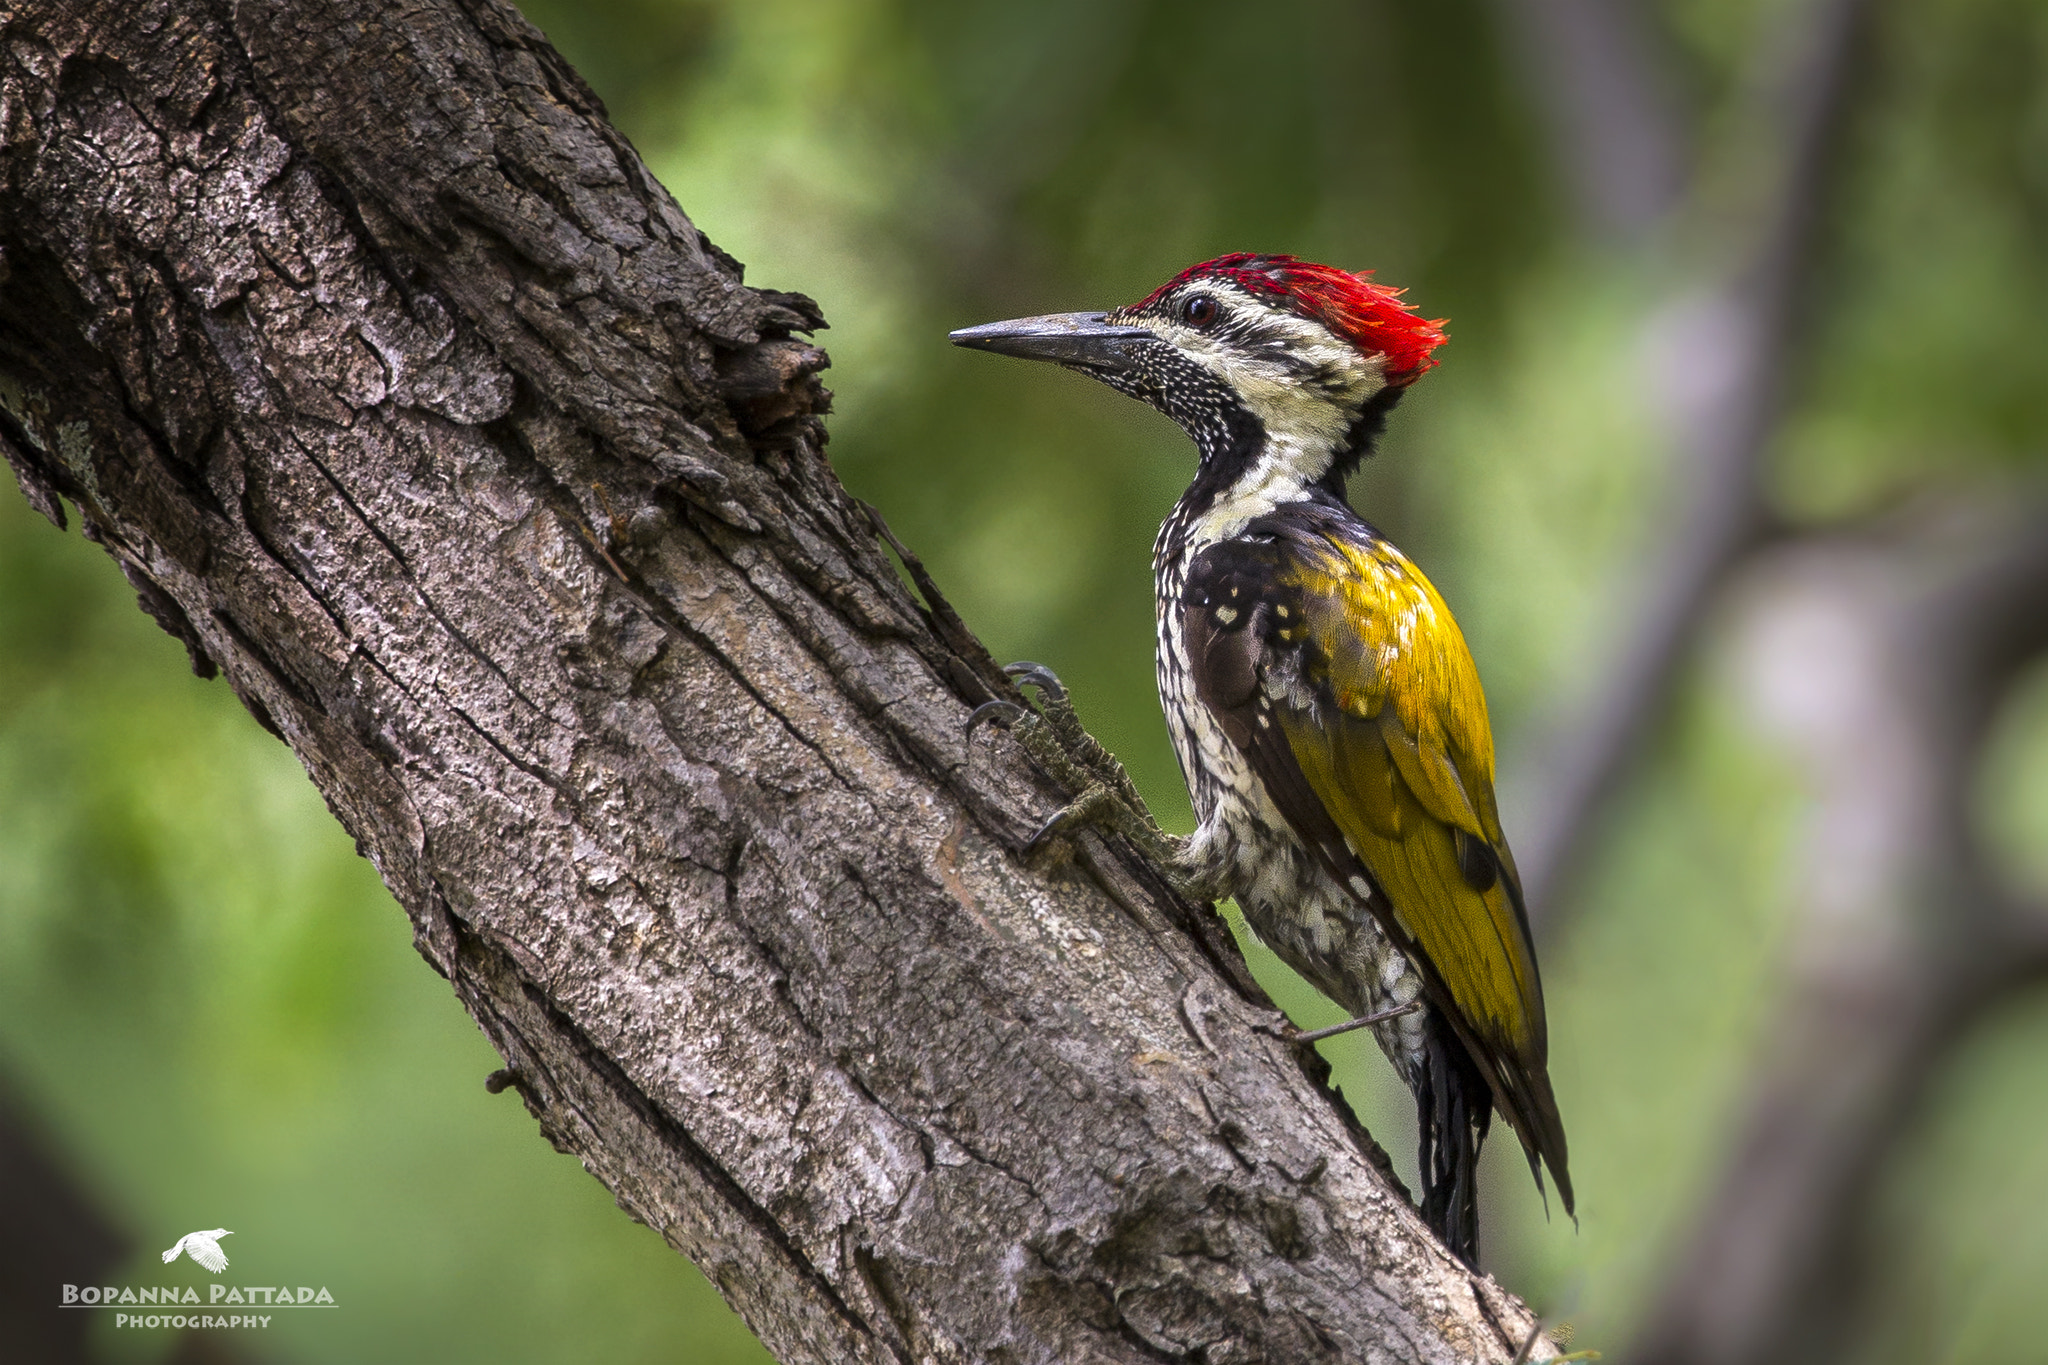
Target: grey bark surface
column 413, row 405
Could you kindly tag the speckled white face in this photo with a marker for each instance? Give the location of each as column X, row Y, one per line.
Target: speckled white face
column 1304, row 383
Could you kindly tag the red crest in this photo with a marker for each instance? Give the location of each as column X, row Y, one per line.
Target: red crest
column 1370, row 316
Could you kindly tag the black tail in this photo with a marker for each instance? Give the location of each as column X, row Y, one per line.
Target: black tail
column 1453, row 1108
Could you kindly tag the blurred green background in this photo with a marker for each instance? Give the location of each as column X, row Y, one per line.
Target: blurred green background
column 212, row 1009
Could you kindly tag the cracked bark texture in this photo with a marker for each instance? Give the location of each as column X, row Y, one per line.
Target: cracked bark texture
column 413, row 405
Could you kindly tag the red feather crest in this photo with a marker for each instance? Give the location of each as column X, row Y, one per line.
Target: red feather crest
column 1371, row 316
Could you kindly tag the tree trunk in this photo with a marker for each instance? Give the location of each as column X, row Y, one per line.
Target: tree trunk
column 415, row 407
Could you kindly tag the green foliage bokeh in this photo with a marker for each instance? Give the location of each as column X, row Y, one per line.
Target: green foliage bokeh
column 214, row 1009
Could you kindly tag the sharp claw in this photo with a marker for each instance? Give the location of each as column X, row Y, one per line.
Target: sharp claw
column 1003, row 713
column 1045, row 835
column 1078, row 811
column 1029, row 674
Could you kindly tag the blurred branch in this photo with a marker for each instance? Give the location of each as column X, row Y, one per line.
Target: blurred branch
column 1882, row 659
column 1615, row 134
column 56, row 1235
column 1723, row 354
column 1882, row 663
column 417, row 409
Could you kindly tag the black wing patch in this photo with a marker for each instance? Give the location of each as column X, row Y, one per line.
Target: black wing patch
column 1236, row 620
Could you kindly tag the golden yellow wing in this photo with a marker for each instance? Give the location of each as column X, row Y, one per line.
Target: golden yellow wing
column 1338, row 669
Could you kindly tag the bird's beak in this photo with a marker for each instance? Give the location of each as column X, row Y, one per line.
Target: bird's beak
column 1079, row 339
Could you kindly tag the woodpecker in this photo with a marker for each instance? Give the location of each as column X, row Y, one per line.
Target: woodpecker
column 1326, row 712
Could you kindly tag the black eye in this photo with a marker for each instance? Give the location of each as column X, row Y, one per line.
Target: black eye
column 1199, row 311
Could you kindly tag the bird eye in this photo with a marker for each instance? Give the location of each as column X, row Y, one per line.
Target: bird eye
column 1199, row 311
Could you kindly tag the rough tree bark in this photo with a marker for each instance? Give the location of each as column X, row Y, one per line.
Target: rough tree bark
column 415, row 407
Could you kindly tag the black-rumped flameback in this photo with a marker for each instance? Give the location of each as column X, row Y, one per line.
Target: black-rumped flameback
column 1326, row 712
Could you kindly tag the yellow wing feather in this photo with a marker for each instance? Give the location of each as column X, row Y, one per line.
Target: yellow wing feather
column 1331, row 662
column 1406, row 763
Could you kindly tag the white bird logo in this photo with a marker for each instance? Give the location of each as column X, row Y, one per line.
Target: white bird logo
column 203, row 1247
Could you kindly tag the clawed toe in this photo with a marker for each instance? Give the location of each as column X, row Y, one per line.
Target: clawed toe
column 1005, row 714
column 1091, row 807
column 1288, row 1032
column 1028, row 674
column 1002, row 714
column 1104, row 795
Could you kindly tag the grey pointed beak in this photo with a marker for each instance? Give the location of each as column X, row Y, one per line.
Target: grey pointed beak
column 1082, row 339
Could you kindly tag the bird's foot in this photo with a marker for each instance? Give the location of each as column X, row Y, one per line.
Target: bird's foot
column 1104, row 795
column 1290, row 1034
column 1053, row 734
